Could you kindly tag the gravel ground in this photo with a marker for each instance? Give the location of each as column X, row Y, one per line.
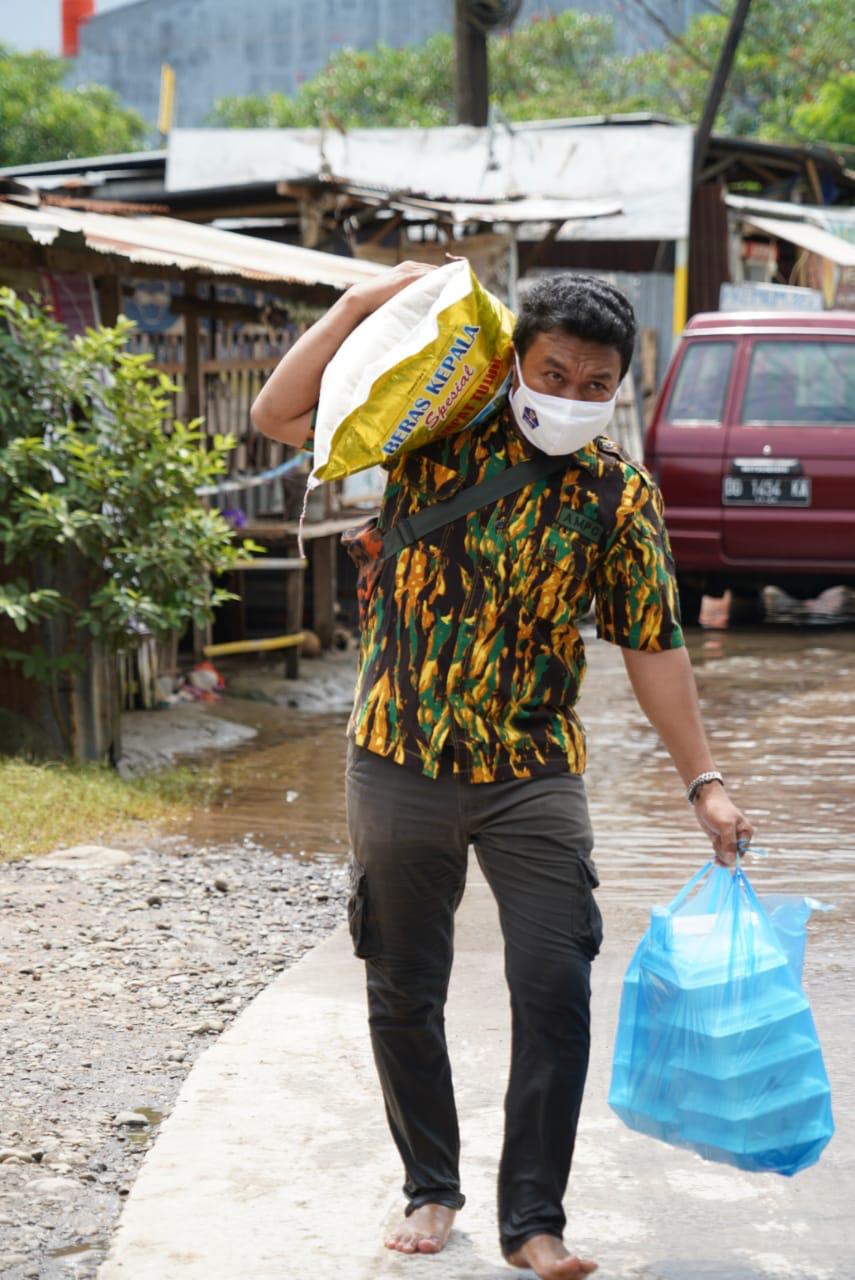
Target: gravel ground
column 119, row 967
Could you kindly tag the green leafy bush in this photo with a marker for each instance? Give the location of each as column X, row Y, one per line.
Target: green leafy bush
column 98, row 509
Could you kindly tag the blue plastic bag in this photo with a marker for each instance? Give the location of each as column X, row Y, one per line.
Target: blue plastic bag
column 789, row 915
column 716, row 1047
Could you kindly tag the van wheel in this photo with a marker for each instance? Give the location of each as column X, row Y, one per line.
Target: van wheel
column 690, row 602
column 747, row 606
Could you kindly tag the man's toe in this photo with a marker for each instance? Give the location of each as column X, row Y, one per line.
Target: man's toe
column 401, row 1244
column 575, row 1268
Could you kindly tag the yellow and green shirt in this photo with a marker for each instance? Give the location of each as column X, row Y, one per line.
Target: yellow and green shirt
column 470, row 637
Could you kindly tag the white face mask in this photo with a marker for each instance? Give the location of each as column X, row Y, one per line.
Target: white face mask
column 556, row 425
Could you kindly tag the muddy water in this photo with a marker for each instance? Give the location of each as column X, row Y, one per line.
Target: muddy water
column 779, row 704
column 284, row 789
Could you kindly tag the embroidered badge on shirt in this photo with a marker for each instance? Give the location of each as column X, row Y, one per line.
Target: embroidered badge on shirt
column 590, row 529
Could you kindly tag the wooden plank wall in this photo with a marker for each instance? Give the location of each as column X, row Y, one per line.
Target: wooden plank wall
column 235, row 366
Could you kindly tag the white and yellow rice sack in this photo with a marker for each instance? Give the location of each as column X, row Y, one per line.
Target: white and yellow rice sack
column 431, row 361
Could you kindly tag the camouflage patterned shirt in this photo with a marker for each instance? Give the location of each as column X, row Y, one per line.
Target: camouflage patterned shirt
column 470, row 637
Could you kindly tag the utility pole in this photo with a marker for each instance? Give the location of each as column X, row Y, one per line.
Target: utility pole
column 471, row 75
column 718, row 84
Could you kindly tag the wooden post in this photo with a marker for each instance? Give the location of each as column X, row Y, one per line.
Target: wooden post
column 90, row 697
column 109, row 299
column 717, row 86
column 193, row 389
column 96, row 706
column 293, row 619
column 324, row 588
column 194, row 407
column 472, row 69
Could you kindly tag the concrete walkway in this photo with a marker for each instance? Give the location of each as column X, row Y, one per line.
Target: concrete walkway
column 275, row 1163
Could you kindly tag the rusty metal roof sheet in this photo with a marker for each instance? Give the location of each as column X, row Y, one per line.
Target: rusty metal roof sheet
column 807, row 236
column 822, row 229
column 170, row 242
column 523, row 210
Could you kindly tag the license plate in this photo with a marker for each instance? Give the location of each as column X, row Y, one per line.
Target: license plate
column 766, row 491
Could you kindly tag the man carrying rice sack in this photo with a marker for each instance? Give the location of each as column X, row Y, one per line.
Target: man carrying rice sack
column 464, row 730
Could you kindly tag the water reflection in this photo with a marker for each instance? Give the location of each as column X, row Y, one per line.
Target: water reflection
column 283, row 791
column 779, row 705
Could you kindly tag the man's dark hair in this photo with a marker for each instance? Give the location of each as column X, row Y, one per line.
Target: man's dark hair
column 582, row 306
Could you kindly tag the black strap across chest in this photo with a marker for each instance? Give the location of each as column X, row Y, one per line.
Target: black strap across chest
column 409, row 529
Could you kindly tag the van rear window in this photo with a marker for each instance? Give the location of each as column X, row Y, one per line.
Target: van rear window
column 807, row 382
column 701, row 383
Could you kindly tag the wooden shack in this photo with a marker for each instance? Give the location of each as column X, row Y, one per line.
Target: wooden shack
column 234, row 305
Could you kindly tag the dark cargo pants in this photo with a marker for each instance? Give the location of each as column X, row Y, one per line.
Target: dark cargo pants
column 410, row 836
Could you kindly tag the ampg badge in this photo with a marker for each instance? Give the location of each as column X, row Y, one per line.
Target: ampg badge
column 576, row 522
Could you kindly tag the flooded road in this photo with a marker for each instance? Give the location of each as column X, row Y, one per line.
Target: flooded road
column 152, row 955
column 779, row 705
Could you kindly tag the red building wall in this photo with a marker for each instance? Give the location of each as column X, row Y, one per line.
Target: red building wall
column 74, row 14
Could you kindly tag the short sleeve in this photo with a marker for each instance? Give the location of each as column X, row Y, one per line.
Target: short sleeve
column 637, row 605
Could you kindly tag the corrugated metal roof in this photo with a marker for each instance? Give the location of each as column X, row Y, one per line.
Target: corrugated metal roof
column 820, row 215
column 535, row 210
column 807, row 236
column 645, row 168
column 173, row 243
column 81, row 165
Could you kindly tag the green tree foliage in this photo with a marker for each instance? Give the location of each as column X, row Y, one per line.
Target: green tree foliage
column 792, row 52
column 831, row 114
column 792, row 77
column 91, row 478
column 381, row 86
column 40, row 119
column 546, row 68
column 553, row 67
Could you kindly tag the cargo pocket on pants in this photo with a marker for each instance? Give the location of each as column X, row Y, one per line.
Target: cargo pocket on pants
column 589, row 922
column 360, row 918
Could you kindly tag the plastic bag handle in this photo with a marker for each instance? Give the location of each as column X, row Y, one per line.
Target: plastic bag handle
column 748, row 887
column 692, row 884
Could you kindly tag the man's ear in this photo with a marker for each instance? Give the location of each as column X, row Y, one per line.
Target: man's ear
column 515, row 378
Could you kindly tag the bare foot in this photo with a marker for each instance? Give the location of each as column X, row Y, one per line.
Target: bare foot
column 548, row 1259
column 424, row 1231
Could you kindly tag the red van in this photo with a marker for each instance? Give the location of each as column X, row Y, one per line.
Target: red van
column 753, row 444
